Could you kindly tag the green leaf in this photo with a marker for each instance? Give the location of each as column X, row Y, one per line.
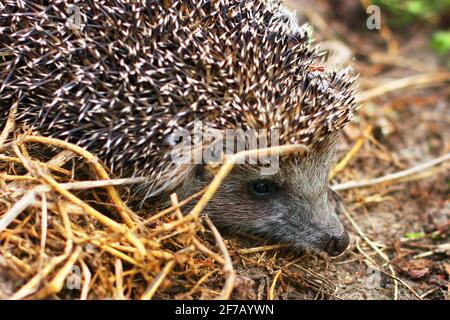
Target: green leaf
column 404, row 12
column 416, row 7
column 440, row 42
column 415, row 235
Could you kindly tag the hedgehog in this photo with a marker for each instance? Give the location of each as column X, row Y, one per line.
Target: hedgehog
column 120, row 78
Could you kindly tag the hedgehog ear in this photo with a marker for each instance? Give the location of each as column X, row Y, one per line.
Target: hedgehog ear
column 202, row 173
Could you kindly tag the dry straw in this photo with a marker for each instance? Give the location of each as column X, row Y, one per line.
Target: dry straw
column 67, row 236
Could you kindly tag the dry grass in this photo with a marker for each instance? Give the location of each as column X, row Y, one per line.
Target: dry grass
column 59, row 233
column 63, row 236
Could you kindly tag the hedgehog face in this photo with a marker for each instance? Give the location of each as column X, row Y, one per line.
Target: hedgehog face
column 291, row 206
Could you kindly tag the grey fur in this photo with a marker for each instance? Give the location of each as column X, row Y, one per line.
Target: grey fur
column 300, row 213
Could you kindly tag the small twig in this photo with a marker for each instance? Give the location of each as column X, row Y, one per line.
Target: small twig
column 58, row 281
column 400, row 281
column 175, row 203
column 100, row 183
column 361, row 250
column 8, row 177
column 151, row 289
column 262, row 248
column 10, row 122
column 115, row 226
column 48, row 164
column 394, row 276
column 61, row 158
column 230, row 274
column 44, row 225
column 97, row 166
column 399, row 61
column 274, row 282
column 199, row 283
column 426, row 294
column 31, row 286
column 206, row 250
column 86, row 280
column 164, row 212
column 116, row 253
column 420, row 80
column 442, row 248
column 392, row 176
column 119, row 280
column 18, row 208
column 353, row 151
column 30, row 196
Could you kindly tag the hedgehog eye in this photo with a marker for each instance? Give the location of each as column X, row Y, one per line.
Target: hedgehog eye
column 262, row 188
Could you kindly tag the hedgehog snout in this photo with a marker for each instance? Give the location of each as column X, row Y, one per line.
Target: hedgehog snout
column 334, row 244
column 320, row 227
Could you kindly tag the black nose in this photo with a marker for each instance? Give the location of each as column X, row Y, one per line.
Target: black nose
column 335, row 245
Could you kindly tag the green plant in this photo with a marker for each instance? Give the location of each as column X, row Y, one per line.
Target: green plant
column 399, row 13
column 440, row 42
column 403, row 12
